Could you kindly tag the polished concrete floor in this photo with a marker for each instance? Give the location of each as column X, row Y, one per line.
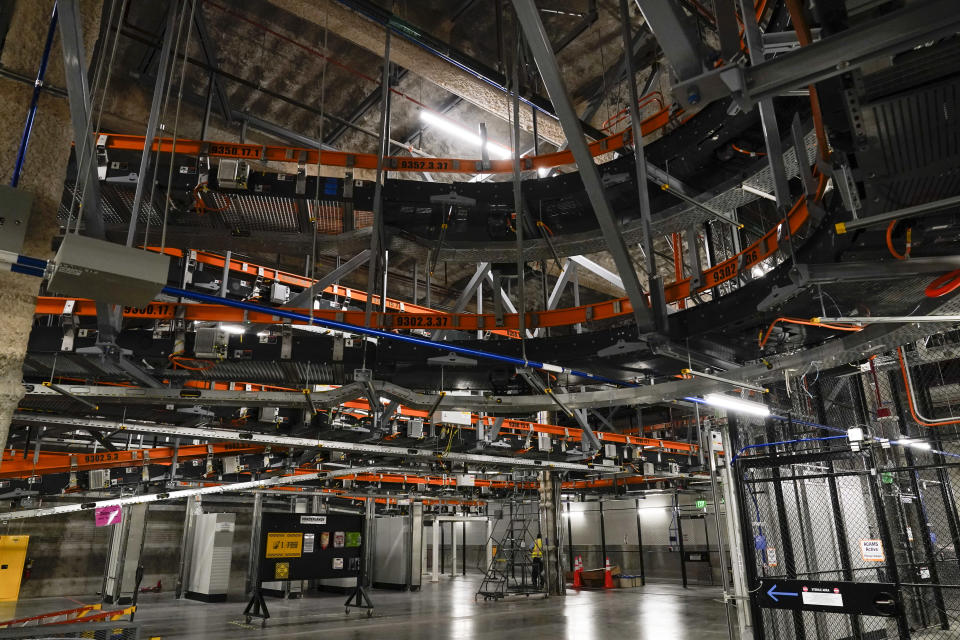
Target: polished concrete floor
column 443, row 610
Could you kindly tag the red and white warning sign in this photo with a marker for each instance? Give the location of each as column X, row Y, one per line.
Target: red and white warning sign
column 871, row 551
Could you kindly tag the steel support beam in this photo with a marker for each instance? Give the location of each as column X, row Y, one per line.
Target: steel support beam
column 376, row 235
column 153, row 120
column 907, row 212
column 209, row 50
column 655, row 282
column 78, row 93
column 504, row 299
column 768, row 115
column 281, row 132
column 539, row 43
column 597, row 270
column 567, row 274
column 305, row 298
column 677, row 35
column 483, row 269
column 832, row 56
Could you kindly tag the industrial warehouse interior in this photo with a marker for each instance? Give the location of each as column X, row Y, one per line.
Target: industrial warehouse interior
column 480, row 319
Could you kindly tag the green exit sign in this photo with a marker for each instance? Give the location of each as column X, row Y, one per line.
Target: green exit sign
column 701, row 504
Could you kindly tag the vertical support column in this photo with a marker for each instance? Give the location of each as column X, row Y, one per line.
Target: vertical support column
column 926, row 535
column 463, row 551
column 453, row 549
column 225, row 278
column 737, row 488
column 253, row 558
column 549, row 491
column 839, row 526
column 569, row 538
column 893, row 573
column 480, row 307
column 435, row 577
column 603, row 536
column 768, row 117
column 575, row 280
column 529, row 18
column 426, row 286
column 643, row 573
column 191, row 510
column 683, row 560
column 489, row 560
column 153, row 120
column 376, row 235
column 416, row 282
column 783, row 528
column 706, row 442
column 369, row 541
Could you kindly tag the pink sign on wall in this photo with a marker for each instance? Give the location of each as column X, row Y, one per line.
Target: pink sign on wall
column 106, row 516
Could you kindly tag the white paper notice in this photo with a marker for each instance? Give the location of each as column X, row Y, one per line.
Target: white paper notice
column 822, row 599
column 871, row 551
column 308, row 543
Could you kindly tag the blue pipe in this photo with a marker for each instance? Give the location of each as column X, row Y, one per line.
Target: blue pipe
column 32, row 111
column 774, row 444
column 37, row 267
column 377, row 333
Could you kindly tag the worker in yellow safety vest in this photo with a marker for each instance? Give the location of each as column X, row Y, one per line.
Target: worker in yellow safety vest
column 536, row 555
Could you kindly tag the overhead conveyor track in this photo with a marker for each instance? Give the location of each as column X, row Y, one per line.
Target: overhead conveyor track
column 416, row 317
column 310, row 156
column 259, row 396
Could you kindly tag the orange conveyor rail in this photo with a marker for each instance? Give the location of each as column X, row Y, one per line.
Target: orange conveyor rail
column 16, row 466
column 410, row 316
column 278, row 153
column 417, row 317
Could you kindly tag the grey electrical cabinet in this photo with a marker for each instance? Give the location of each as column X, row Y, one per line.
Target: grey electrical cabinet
column 209, row 578
column 398, row 550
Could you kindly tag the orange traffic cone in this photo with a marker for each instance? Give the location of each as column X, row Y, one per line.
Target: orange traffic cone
column 607, row 576
column 578, row 573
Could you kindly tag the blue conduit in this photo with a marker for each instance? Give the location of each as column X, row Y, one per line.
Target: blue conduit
column 377, row 333
column 32, row 111
column 36, row 267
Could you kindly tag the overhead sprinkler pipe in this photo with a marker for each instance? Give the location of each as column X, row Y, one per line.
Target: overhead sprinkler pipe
column 32, row 111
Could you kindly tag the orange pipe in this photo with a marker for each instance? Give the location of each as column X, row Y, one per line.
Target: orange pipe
column 913, row 411
column 763, row 340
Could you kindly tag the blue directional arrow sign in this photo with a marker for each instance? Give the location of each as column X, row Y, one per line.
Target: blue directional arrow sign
column 773, row 593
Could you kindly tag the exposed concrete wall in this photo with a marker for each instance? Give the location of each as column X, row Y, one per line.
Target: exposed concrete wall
column 43, row 173
column 68, row 554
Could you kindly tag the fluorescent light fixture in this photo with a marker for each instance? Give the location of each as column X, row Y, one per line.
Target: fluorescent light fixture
column 758, row 192
column 233, row 328
column 736, row 404
column 434, row 120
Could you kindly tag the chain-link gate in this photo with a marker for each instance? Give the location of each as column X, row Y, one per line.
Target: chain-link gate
column 874, row 523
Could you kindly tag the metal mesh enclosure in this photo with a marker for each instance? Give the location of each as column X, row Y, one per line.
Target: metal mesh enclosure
column 817, row 505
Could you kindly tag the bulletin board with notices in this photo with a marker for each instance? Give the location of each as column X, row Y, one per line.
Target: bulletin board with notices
column 299, row 546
